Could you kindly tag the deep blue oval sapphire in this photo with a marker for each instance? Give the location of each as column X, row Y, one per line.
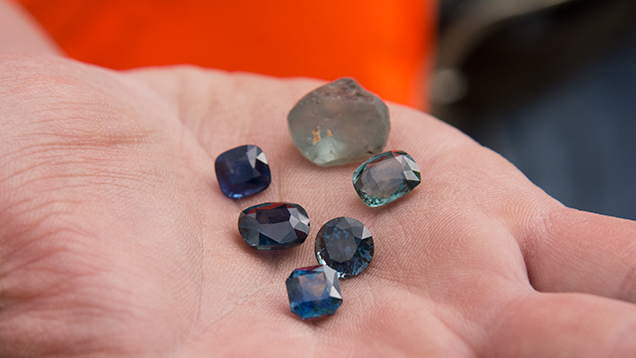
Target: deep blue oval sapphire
column 242, row 171
column 274, row 226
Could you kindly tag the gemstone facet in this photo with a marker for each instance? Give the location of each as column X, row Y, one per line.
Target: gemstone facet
column 273, row 226
column 314, row 291
column 345, row 245
column 339, row 123
column 242, row 171
column 386, row 177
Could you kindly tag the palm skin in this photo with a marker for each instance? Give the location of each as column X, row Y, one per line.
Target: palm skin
column 115, row 239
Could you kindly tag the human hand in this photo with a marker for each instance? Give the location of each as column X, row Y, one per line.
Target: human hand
column 115, row 239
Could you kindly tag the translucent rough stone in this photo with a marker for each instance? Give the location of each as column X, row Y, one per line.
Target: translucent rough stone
column 386, row 177
column 314, row 291
column 242, row 171
column 345, row 245
column 339, row 123
column 273, row 226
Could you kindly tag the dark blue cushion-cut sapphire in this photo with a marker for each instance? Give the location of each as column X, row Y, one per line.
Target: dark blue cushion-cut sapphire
column 242, row 171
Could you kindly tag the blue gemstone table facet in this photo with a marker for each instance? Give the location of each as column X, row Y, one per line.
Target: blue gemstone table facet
column 273, row 226
column 314, row 291
column 242, row 171
column 345, row 245
column 386, row 177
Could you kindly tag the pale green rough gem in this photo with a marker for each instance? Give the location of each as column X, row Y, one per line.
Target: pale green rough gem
column 339, row 123
column 386, row 177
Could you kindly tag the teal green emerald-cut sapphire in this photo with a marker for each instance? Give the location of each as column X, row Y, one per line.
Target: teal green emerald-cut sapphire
column 314, row 291
column 386, row 177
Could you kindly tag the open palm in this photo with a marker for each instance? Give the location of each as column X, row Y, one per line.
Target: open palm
column 115, row 239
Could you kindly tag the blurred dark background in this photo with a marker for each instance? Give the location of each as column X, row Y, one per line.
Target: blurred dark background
column 550, row 85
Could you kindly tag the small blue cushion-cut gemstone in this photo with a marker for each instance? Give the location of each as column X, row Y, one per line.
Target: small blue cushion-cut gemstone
column 314, row 291
column 386, row 177
column 274, row 226
column 242, row 171
column 345, row 245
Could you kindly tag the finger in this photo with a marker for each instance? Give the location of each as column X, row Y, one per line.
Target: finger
column 578, row 251
column 19, row 32
column 564, row 325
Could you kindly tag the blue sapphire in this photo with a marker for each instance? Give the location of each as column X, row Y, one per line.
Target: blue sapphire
column 386, row 177
column 242, row 171
column 314, row 291
column 274, row 226
column 345, row 245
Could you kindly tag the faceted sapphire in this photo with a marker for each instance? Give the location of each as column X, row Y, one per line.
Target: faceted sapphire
column 314, row 291
column 386, row 177
column 274, row 226
column 345, row 245
column 242, row 171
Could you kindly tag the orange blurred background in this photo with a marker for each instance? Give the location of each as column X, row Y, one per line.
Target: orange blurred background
column 386, row 45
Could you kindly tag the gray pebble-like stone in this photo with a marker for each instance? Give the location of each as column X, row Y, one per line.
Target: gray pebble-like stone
column 339, row 123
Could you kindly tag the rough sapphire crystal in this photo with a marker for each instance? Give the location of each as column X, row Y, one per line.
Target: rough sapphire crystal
column 345, row 245
column 339, row 123
column 242, row 171
column 274, row 226
column 386, row 177
column 314, row 291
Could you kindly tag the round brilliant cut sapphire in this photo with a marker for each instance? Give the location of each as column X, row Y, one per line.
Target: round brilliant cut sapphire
column 273, row 226
column 242, row 171
column 345, row 245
